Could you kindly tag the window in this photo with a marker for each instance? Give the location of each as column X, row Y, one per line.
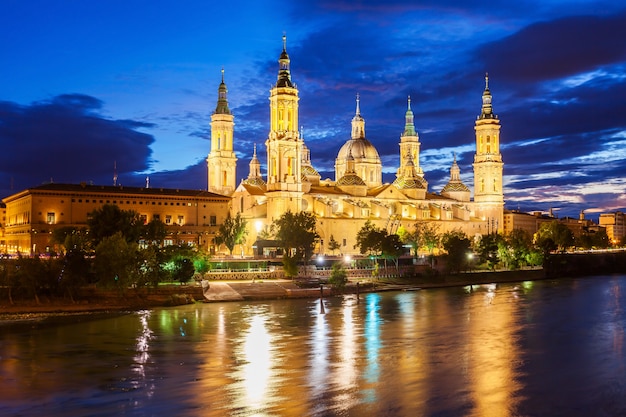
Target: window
column 212, row 220
column 181, row 220
column 168, row 219
column 144, row 218
column 156, row 217
column 344, row 242
column 50, row 218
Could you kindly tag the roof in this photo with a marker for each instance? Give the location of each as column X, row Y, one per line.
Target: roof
column 109, row 189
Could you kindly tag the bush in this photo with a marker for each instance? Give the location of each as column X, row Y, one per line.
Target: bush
column 338, row 276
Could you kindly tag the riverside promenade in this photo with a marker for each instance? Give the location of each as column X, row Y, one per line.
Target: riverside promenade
column 239, row 290
column 92, row 300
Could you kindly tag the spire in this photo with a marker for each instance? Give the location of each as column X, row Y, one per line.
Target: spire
column 284, row 74
column 222, row 99
column 254, row 176
column 487, row 110
column 455, row 171
column 358, row 123
column 409, row 127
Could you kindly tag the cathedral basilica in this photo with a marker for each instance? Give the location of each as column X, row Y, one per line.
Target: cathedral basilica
column 357, row 193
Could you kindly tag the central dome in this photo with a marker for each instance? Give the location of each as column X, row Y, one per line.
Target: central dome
column 360, row 148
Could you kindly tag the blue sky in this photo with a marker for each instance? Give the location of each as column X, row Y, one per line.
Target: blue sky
column 86, row 84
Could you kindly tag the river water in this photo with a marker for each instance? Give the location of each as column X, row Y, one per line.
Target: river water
column 543, row 348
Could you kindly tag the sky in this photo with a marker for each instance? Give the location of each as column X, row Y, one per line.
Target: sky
column 93, row 88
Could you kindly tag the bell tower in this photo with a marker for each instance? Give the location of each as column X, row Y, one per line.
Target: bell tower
column 284, row 144
column 222, row 162
column 488, row 194
column 409, row 144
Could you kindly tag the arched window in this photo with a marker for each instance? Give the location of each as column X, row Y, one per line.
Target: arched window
column 488, row 144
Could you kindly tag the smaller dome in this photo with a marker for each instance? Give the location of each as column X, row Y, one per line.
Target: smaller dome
column 455, row 186
column 350, row 179
column 255, row 181
column 408, row 183
column 308, row 170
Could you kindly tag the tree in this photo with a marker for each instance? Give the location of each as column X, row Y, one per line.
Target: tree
column 457, row 245
column 369, row 239
column 232, row 232
column 296, row 235
column 333, row 245
column 154, row 232
column 487, row 249
column 554, row 235
column 338, row 276
column 116, row 263
column 429, row 235
column 110, row 219
column 519, row 242
column 201, row 263
column 71, row 238
column 183, row 270
column 392, row 248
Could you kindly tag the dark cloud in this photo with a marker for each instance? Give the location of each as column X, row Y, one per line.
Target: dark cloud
column 558, row 48
column 65, row 139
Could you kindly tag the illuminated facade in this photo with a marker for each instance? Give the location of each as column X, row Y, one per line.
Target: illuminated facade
column 357, row 194
column 615, row 224
column 190, row 217
column 222, row 162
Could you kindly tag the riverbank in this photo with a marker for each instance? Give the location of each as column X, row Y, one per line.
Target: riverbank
column 92, row 300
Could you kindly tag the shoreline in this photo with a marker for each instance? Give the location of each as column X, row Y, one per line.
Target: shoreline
column 247, row 291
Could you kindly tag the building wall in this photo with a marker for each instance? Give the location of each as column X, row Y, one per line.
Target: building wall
column 32, row 215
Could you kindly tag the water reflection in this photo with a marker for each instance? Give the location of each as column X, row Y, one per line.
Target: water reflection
column 543, row 348
column 493, row 353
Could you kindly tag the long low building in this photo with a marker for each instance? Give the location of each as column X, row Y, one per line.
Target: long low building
column 190, row 216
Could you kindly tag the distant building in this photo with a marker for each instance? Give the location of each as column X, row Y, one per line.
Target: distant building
column 615, row 224
column 528, row 222
column 191, row 217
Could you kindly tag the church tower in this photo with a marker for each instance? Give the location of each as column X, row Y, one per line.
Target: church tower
column 409, row 144
column 222, row 162
column 488, row 194
column 284, row 145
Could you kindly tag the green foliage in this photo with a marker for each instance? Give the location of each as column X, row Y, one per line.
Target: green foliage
column 338, row 276
column 457, row 246
column 182, row 270
column 593, row 239
column 115, row 264
column 392, row 248
column 154, row 232
column 232, row 232
column 75, row 271
column 201, row 263
column 290, row 265
column 369, row 239
column 150, row 269
column 553, row 236
column 110, row 219
column 424, row 235
column 36, row 277
column 297, row 235
column 488, row 249
column 333, row 245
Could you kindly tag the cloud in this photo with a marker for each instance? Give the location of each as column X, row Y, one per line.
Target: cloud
column 66, row 139
column 558, row 48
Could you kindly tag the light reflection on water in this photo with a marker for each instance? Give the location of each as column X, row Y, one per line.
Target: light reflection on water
column 527, row 349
